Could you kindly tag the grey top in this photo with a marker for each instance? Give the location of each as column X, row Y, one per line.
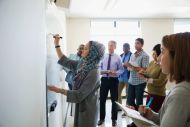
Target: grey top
column 175, row 111
column 90, row 83
column 86, row 97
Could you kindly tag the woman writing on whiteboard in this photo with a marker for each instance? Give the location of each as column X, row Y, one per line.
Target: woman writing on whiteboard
column 175, row 61
column 86, row 82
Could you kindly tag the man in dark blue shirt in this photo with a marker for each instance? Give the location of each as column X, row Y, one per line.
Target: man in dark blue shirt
column 124, row 77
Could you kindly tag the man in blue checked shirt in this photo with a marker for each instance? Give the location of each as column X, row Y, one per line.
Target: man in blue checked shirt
column 139, row 60
column 111, row 68
column 70, row 74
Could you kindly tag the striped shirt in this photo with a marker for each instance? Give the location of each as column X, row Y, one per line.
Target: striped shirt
column 115, row 64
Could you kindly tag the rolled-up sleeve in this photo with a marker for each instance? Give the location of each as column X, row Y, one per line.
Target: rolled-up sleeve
column 87, row 86
column 68, row 63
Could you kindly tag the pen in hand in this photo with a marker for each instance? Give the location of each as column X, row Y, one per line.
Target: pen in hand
column 147, row 106
column 149, row 102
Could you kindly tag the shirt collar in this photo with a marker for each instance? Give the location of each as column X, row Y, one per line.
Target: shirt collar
column 138, row 53
column 111, row 54
column 126, row 53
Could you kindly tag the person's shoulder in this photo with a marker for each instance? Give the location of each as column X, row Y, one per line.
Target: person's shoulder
column 144, row 54
column 182, row 88
column 179, row 95
column 116, row 55
column 180, row 92
column 106, row 55
column 121, row 54
column 130, row 53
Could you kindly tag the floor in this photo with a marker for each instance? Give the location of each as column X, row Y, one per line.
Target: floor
column 121, row 122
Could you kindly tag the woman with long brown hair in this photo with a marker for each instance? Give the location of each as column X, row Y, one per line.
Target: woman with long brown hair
column 175, row 61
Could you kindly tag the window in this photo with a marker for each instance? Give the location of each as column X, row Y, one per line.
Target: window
column 121, row 31
column 182, row 25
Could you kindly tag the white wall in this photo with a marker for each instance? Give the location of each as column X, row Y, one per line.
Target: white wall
column 78, row 32
column 22, row 66
column 56, row 23
column 153, row 30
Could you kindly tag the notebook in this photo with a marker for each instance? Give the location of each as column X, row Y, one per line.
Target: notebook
column 105, row 71
column 136, row 117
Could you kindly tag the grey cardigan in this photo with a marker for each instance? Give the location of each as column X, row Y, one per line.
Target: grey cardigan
column 175, row 111
column 86, row 97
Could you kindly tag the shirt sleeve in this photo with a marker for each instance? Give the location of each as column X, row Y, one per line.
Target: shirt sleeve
column 177, row 111
column 68, row 63
column 66, row 69
column 162, row 79
column 155, row 118
column 88, row 85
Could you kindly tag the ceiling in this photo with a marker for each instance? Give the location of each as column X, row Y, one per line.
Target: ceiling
column 129, row 8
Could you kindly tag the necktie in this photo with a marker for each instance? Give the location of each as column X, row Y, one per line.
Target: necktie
column 109, row 61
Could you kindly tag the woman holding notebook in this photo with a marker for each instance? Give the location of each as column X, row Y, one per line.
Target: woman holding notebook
column 175, row 61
